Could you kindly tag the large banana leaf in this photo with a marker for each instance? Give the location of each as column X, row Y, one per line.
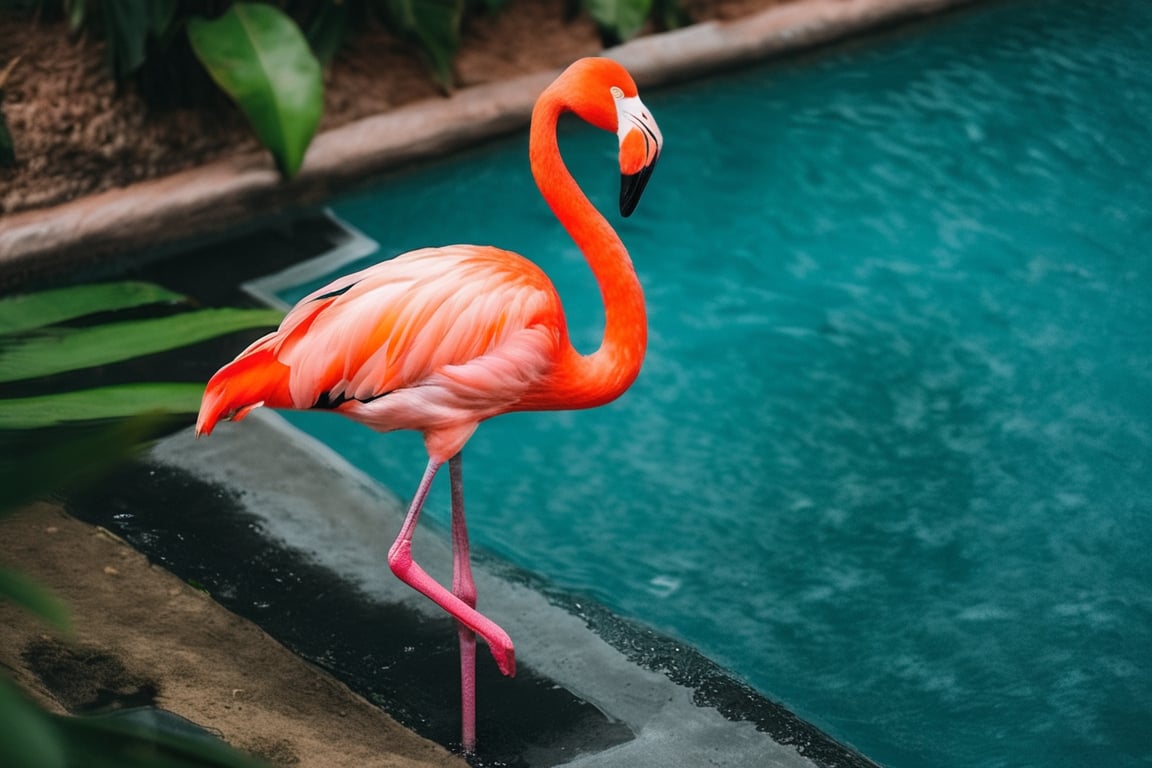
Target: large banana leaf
column 260, row 58
column 67, row 349
column 36, row 310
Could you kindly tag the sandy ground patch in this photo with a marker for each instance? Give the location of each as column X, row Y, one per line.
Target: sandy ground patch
column 144, row 637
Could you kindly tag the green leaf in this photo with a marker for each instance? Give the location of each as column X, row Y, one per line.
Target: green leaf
column 76, row 10
column 621, row 19
column 126, row 24
column 161, row 14
column 36, row 310
column 33, row 738
column 71, row 349
column 29, row 595
column 669, row 14
column 29, row 738
column 114, row 402
column 433, row 24
column 118, row 742
column 327, row 32
column 259, row 57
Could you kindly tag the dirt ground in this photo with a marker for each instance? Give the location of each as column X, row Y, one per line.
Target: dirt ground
column 75, row 134
column 145, row 638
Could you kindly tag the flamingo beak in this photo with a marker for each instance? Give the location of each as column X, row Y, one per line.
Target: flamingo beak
column 640, row 144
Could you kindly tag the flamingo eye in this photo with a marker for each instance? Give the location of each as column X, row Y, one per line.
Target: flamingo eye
column 616, row 92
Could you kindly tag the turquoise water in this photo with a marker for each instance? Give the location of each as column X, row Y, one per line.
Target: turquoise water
column 890, row 457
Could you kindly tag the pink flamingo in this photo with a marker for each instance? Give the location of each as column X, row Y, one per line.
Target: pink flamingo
column 439, row 339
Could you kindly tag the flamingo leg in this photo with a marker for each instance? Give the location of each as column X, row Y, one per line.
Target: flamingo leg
column 464, row 588
column 408, row 570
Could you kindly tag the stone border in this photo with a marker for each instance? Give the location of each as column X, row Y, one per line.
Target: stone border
column 228, row 194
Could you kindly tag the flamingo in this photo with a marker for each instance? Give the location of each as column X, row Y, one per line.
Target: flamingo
column 439, row 339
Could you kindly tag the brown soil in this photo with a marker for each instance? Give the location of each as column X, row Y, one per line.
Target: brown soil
column 143, row 637
column 76, row 134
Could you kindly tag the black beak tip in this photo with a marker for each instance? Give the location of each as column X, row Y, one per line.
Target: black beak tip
column 632, row 187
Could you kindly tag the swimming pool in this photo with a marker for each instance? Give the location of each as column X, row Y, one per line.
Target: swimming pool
column 890, row 454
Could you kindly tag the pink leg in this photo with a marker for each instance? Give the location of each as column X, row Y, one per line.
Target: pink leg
column 407, row 570
column 464, row 588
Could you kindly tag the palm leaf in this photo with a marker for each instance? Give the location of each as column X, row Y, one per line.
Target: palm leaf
column 115, row 402
column 69, row 349
column 36, row 310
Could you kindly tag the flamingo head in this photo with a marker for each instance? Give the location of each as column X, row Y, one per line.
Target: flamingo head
column 601, row 91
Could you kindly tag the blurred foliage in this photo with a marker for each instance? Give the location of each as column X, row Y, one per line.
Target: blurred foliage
column 34, row 738
column 53, row 441
column 7, row 150
column 268, row 57
column 53, row 436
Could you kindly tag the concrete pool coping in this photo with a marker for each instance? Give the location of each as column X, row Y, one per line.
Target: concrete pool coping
column 312, row 500
column 223, row 196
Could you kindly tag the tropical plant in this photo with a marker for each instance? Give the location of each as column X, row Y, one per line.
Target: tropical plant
column 268, row 58
column 53, row 440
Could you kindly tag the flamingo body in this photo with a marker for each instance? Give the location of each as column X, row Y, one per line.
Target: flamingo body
column 435, row 340
column 439, row 339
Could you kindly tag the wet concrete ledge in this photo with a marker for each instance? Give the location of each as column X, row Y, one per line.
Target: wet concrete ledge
column 284, row 532
column 211, row 200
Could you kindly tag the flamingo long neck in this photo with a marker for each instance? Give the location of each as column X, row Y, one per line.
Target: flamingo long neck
column 589, row 380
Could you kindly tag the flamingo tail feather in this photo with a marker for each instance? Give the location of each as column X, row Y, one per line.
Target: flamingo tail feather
column 251, row 380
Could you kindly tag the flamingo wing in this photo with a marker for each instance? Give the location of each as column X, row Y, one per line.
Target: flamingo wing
column 437, row 338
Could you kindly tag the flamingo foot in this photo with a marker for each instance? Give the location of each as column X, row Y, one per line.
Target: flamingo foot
column 507, row 662
column 409, row 571
column 461, row 601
